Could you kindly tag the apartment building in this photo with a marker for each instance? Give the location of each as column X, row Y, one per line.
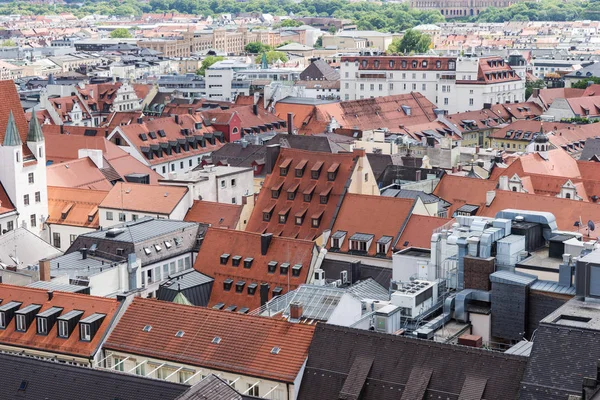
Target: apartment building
column 453, row 84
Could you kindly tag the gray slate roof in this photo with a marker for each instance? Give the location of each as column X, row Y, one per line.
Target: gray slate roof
column 306, row 142
column 194, row 285
column 590, row 149
column 57, row 381
column 403, row 368
column 212, row 388
column 143, row 229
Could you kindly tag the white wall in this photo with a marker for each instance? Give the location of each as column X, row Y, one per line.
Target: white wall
column 348, row 311
column 178, row 213
column 65, row 232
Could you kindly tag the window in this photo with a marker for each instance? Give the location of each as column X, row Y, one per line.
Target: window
column 227, row 284
column 21, row 325
column 38, row 197
column 140, row 369
column 315, row 222
column 438, row 64
column 122, row 217
column 233, row 183
column 252, row 390
column 424, row 86
column 118, row 364
column 414, row 86
column 30, row 177
column 18, row 154
column 414, row 64
column 282, row 218
column 33, row 220
column 372, row 86
column 56, row 239
column 134, row 217
column 362, row 86
column 180, row 265
column 181, row 165
column 358, row 245
column 172, row 167
column 424, row 76
column 72, row 238
column 42, row 326
column 164, row 169
column 9, row 226
column 380, row 87
column 63, row 329
column 470, row 102
column 391, row 86
column 445, row 101
column 424, row 64
column 109, row 215
column 85, row 331
column 26, row 199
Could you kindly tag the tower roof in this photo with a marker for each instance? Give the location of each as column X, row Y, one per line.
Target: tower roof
column 11, row 137
column 34, row 133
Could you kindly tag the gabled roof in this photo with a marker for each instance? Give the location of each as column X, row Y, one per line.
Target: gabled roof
column 6, row 204
column 242, row 246
column 245, row 345
column 387, row 217
column 74, row 207
column 214, row 388
column 11, row 104
column 45, row 379
column 81, row 173
column 364, row 364
column 547, row 96
column 238, row 154
column 68, row 302
column 458, row 191
column 217, row 215
column 417, row 232
column 342, row 163
column 306, row 142
column 21, row 247
column 140, row 197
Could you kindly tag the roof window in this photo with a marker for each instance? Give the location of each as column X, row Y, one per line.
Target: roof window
column 275, row 350
column 235, row 260
column 300, row 168
column 252, row 288
column 272, row 266
column 284, row 268
column 147, row 328
column 218, row 306
column 239, row 286
column 248, row 262
column 296, row 269
column 332, row 172
column 216, row 340
column 227, row 284
column 315, row 171
column 224, row 258
column 179, row 334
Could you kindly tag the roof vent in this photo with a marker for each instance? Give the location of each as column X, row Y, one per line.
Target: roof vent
column 275, row 350
column 519, row 218
column 147, row 328
column 216, row 340
column 179, row 334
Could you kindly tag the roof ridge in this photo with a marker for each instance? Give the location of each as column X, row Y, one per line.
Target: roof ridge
column 256, row 234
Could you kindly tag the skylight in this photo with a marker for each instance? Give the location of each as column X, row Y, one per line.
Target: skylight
column 216, row 340
column 275, row 350
column 179, row 334
column 147, row 250
column 147, row 328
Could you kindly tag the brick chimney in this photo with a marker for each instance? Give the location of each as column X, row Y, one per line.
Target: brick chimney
column 290, row 123
column 44, row 266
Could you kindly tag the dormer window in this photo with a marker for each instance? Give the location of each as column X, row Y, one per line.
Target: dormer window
column 283, row 214
column 67, row 323
column 308, row 193
column 403, row 63
column 296, row 269
column 248, row 262
column 364, row 63
column 392, row 62
column 276, row 190
column 235, row 260
column 332, row 172
column 383, row 245
column 25, row 316
column 414, row 64
column 299, row 170
column 277, row 291
column 316, row 219
column 337, row 239
column 360, row 242
column 252, row 288
column 291, row 193
column 224, row 259
column 376, row 63
column 227, row 284
column 284, row 268
column 272, row 267
column 7, row 311
column 315, row 171
column 89, row 326
column 268, row 212
column 424, row 64
column 284, row 167
column 239, row 286
column 299, row 217
column 438, row 64
column 324, row 196
column 46, row 320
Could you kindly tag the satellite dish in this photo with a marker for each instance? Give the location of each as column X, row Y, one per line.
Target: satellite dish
column 591, row 225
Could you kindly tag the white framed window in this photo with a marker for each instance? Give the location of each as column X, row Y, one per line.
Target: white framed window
column 21, row 326
column 63, row 329
column 2, row 320
column 42, row 326
column 253, row 390
column 86, row 333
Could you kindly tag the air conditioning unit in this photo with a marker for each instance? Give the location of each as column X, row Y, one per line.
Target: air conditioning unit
column 344, row 277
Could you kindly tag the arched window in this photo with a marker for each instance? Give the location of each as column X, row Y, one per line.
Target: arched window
column 514, row 188
column 568, row 195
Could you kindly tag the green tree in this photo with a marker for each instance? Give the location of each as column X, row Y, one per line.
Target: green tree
column 207, row 62
column 530, row 85
column 412, row 42
column 272, row 56
column 256, row 47
column 120, row 33
column 291, row 23
column 582, row 84
column 8, row 43
column 319, row 42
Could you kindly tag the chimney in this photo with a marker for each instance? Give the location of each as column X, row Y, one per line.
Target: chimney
column 536, row 93
column 503, row 182
column 296, row 311
column 477, row 149
column 255, row 109
column 50, row 294
column 271, row 156
column 264, row 293
column 290, row 123
column 83, row 252
column 44, row 266
column 140, row 120
column 265, row 241
column 489, row 197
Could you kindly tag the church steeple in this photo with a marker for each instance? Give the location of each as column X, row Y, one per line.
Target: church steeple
column 34, row 134
column 11, row 137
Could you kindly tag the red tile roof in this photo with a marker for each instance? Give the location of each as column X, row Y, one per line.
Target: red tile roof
column 547, row 96
column 68, row 302
column 64, row 105
column 458, row 191
column 492, row 70
column 5, row 204
column 11, row 102
column 172, row 131
column 144, row 198
column 526, row 110
column 585, row 106
column 76, row 205
column 305, row 185
column 386, row 217
column 248, row 245
column 245, row 346
column 518, row 129
column 475, row 120
column 218, row 215
column 82, row 173
column 417, row 232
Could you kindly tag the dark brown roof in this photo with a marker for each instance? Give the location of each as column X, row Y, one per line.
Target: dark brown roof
column 346, row 363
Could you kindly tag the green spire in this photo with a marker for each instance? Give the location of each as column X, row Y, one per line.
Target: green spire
column 181, row 299
column 263, row 63
column 34, row 134
column 11, row 137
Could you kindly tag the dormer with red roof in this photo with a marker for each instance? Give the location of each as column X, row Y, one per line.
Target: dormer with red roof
column 22, row 165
